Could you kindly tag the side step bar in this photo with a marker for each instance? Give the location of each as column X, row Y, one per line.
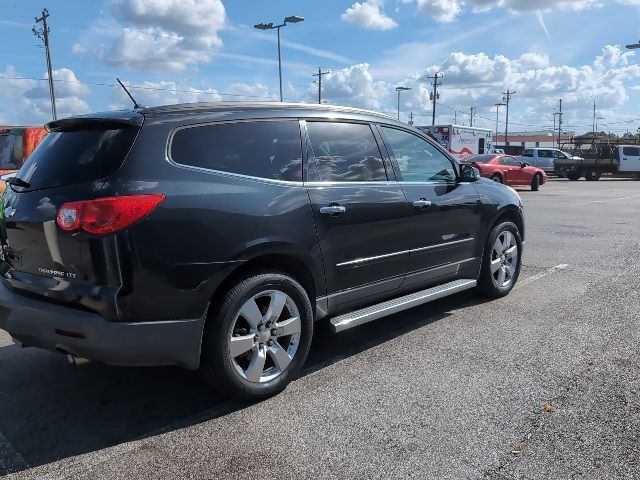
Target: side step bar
column 374, row 312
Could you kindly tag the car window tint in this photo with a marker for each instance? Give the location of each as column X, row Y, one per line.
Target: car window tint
column 527, row 153
column 418, row 160
column 269, row 149
column 631, row 151
column 345, row 152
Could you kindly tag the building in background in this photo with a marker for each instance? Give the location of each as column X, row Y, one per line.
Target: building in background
column 541, row 138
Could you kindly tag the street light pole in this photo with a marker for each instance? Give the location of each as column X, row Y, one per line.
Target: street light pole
column 271, row 26
column 400, row 89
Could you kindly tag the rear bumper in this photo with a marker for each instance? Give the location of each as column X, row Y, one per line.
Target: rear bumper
column 53, row 327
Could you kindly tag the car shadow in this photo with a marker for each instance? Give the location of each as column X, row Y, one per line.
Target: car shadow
column 51, row 410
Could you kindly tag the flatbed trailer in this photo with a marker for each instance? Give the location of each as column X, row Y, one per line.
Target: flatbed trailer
column 596, row 159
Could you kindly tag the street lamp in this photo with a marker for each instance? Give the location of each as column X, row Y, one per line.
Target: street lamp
column 400, row 89
column 271, row 26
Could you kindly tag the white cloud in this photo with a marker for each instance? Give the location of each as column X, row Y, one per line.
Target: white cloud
column 27, row 101
column 165, row 35
column 449, row 10
column 78, row 49
column 369, row 15
column 354, row 86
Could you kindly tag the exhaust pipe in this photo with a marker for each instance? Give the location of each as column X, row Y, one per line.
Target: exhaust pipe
column 77, row 361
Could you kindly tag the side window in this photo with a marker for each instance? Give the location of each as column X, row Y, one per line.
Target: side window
column 502, row 161
column 527, row 153
column 544, row 153
column 418, row 160
column 511, row 161
column 631, row 151
column 267, row 149
column 345, row 152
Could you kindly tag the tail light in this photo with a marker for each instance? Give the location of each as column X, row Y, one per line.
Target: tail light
column 106, row 215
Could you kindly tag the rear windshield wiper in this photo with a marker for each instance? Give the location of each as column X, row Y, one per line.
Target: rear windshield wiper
column 18, row 182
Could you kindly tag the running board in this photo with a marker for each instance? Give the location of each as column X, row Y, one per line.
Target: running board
column 374, row 312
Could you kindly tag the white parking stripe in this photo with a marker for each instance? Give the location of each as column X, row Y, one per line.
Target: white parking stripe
column 540, row 275
column 10, row 459
column 603, row 201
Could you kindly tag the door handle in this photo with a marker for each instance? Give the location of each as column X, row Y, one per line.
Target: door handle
column 422, row 203
column 333, row 209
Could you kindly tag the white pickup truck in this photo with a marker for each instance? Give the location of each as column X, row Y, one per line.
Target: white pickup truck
column 619, row 160
column 544, row 158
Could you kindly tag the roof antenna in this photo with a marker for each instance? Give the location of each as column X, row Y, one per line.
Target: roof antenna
column 135, row 104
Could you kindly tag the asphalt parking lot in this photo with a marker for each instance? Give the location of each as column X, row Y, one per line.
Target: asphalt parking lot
column 544, row 383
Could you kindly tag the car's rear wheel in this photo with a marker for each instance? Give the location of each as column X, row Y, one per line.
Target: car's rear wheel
column 501, row 260
column 257, row 337
column 535, row 183
column 593, row 174
column 496, row 178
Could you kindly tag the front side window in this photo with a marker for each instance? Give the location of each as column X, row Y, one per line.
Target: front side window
column 345, row 152
column 544, row 153
column 417, row 159
column 511, row 161
column 267, row 149
column 527, row 153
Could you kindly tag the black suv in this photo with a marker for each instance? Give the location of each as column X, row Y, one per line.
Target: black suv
column 212, row 236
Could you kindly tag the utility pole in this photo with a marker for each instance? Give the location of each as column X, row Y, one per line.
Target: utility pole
column 411, row 118
column 507, row 99
column 593, row 128
column 319, row 75
column 498, row 105
column 472, row 113
column 435, row 95
column 559, row 123
column 455, row 117
column 43, row 34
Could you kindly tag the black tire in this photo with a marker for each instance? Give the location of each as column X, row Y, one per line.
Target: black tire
column 573, row 176
column 535, row 183
column 496, row 178
column 219, row 370
column 487, row 284
column 593, row 174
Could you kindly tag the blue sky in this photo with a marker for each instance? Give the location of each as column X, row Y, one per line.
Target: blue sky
column 173, row 51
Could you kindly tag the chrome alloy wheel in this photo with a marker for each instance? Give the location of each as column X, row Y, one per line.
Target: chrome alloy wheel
column 504, row 259
column 265, row 336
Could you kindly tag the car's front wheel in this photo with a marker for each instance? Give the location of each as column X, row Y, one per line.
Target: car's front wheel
column 257, row 338
column 501, row 260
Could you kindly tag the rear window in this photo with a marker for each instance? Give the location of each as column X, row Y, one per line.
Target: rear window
column 345, row 152
column 68, row 157
column 527, row 153
column 267, row 149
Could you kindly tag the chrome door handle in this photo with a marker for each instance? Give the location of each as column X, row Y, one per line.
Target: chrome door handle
column 422, row 203
column 333, row 209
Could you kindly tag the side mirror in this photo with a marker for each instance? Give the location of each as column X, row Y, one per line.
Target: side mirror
column 469, row 173
column 524, row 164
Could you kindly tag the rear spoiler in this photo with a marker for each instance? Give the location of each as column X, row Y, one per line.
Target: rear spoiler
column 95, row 123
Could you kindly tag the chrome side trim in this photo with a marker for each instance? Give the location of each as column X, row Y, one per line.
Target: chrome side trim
column 440, row 267
column 359, row 261
column 365, row 315
column 439, row 245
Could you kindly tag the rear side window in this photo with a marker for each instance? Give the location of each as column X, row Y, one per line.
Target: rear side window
column 527, row 153
column 269, row 149
column 10, row 151
column 68, row 157
column 631, row 151
column 345, row 152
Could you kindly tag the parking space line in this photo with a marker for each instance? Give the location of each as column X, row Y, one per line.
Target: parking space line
column 10, row 459
column 605, row 200
column 540, row 275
